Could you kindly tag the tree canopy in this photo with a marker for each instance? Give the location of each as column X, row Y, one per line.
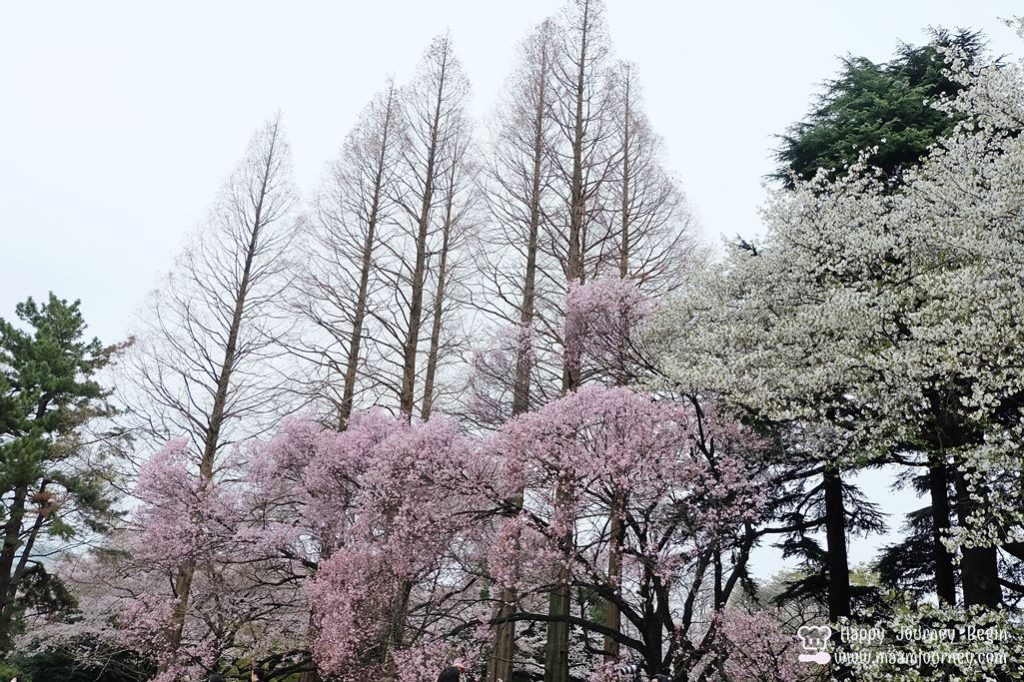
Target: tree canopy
column 887, row 105
column 53, row 481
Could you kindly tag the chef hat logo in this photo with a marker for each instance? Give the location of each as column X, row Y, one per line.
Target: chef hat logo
column 814, row 637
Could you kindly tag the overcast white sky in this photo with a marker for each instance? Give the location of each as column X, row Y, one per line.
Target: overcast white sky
column 118, row 120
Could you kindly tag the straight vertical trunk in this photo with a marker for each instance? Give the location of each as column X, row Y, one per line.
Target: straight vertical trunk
column 500, row 668
column 837, row 564
column 577, row 210
column 614, row 616
column 835, row 535
column 556, row 667
column 938, row 484
column 556, row 653
column 359, row 316
column 624, row 236
column 396, row 631
column 979, row 567
column 435, row 333
column 651, row 628
column 406, row 396
column 611, row 646
column 438, row 312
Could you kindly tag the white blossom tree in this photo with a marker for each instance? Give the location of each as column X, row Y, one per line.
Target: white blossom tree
column 883, row 318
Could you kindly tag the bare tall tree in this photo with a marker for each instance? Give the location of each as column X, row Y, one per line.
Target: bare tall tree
column 434, row 127
column 415, row 261
column 338, row 279
column 652, row 234
column 456, row 223
column 576, row 188
column 516, row 189
column 585, row 154
column 336, row 272
column 206, row 364
column 583, row 158
column 651, row 240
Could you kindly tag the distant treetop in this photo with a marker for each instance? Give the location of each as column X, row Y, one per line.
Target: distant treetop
column 884, row 105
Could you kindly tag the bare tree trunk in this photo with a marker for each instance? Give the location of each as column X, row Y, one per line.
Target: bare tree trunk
column 835, row 536
column 579, row 75
column 339, row 273
column 624, row 206
column 837, row 564
column 614, row 616
column 396, row 629
column 611, row 646
column 417, row 252
column 211, row 439
column 536, row 71
column 556, row 652
column 435, row 328
column 439, row 57
column 453, row 176
column 407, row 397
column 220, row 276
column 359, row 316
column 521, row 389
column 938, row 484
column 339, row 264
column 577, row 207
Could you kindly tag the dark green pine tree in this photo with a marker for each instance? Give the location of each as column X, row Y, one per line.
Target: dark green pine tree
column 50, row 491
column 884, row 106
column 877, row 105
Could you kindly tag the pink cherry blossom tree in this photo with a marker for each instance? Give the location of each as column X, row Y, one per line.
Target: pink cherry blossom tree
column 758, row 644
column 677, row 476
column 602, row 321
column 377, row 522
column 183, row 518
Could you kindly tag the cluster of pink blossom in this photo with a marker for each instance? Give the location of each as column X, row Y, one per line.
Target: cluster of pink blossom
column 760, row 646
column 375, row 505
column 182, row 516
column 674, row 477
column 601, row 320
column 601, row 451
column 384, row 520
